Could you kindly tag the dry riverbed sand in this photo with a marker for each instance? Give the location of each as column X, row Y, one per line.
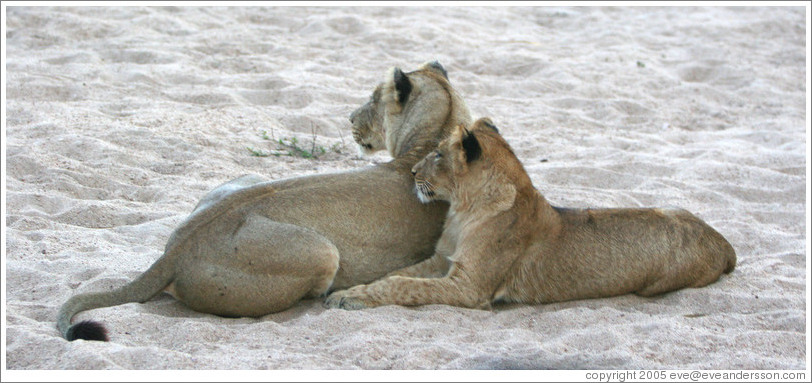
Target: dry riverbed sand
column 120, row 118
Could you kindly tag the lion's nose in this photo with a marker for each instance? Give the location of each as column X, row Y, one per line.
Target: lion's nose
column 352, row 116
column 414, row 172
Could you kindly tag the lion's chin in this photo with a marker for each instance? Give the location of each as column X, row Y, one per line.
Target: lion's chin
column 425, row 197
column 365, row 150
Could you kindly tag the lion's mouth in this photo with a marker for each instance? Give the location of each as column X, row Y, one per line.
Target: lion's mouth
column 425, row 192
column 359, row 139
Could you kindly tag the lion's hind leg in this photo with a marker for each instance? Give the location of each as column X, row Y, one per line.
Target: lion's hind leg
column 265, row 267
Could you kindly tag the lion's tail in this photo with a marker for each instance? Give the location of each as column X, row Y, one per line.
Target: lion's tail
column 142, row 289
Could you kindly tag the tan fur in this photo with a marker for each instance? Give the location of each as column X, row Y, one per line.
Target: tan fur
column 503, row 242
column 253, row 247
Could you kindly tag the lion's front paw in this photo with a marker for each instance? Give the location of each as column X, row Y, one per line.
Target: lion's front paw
column 352, row 299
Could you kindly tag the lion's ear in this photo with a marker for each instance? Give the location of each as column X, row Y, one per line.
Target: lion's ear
column 396, row 89
column 403, row 87
column 457, row 151
column 487, row 123
column 470, row 145
column 436, row 67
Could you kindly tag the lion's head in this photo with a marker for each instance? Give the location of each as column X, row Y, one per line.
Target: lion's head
column 469, row 163
column 367, row 124
column 406, row 109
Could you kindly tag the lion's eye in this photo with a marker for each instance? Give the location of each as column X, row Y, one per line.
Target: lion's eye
column 438, row 155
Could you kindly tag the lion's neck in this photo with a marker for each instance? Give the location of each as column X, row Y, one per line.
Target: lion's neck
column 493, row 195
column 413, row 147
column 412, row 154
column 419, row 141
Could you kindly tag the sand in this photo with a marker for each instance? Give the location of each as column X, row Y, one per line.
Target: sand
column 119, row 119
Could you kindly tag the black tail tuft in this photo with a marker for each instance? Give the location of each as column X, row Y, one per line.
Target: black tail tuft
column 87, row 330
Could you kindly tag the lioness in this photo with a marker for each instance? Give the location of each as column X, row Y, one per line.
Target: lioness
column 252, row 248
column 503, row 242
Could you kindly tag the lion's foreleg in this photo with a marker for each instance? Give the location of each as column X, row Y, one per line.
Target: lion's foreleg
column 434, row 267
column 406, row 291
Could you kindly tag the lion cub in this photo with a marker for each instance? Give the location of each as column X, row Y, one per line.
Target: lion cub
column 502, row 241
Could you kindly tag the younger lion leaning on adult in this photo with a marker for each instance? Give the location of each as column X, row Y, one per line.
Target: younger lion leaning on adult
column 504, row 242
column 252, row 248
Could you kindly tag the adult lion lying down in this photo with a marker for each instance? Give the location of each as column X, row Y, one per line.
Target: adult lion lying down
column 503, row 241
column 252, row 248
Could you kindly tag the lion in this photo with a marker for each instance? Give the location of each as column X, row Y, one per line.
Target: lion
column 253, row 247
column 503, row 242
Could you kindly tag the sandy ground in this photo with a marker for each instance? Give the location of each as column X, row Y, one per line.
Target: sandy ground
column 120, row 119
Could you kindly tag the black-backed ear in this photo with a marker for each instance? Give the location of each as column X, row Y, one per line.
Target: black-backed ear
column 403, row 86
column 471, row 147
column 489, row 124
column 437, row 67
